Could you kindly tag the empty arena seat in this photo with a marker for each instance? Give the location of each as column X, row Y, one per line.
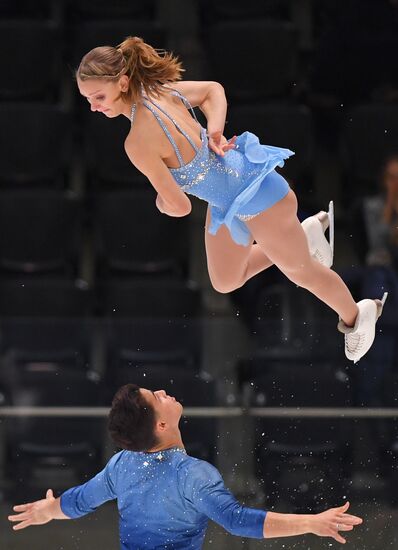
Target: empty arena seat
column 291, row 322
column 65, row 443
column 133, row 237
column 48, row 339
column 258, row 77
column 31, row 68
column 139, row 343
column 223, row 10
column 39, row 232
column 304, row 460
column 369, row 135
column 104, row 159
column 149, row 298
column 87, row 35
column 102, row 9
column 24, row 9
column 37, row 151
column 44, row 297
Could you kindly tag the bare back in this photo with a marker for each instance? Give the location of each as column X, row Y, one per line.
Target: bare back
column 148, row 135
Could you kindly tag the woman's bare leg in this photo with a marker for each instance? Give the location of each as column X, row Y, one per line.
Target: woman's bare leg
column 230, row 265
column 280, row 236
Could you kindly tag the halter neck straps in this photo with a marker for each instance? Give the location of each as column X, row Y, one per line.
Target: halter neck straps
column 154, row 108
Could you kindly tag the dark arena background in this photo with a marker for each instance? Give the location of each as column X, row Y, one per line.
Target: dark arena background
column 98, row 289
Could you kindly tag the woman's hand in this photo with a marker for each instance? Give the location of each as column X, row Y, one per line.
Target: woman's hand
column 330, row 522
column 219, row 144
column 35, row 513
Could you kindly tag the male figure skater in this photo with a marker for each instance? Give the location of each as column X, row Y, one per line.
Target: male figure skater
column 164, row 496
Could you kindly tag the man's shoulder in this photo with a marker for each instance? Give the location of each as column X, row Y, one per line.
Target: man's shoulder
column 198, row 469
column 115, row 459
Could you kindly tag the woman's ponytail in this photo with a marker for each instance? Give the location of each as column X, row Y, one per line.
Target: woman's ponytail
column 148, row 69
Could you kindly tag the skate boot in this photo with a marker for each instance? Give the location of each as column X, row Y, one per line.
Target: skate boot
column 314, row 227
column 359, row 338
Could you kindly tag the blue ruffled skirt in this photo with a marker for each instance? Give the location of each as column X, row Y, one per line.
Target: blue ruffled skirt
column 262, row 191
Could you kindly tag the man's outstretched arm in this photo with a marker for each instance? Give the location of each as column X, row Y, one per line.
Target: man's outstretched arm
column 73, row 503
column 37, row 513
column 205, row 488
column 325, row 524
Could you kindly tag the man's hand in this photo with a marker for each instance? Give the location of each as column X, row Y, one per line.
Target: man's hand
column 330, row 522
column 35, row 513
column 219, row 144
column 326, row 524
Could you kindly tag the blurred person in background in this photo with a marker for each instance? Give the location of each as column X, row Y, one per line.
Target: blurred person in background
column 164, row 496
column 376, row 220
column 380, row 218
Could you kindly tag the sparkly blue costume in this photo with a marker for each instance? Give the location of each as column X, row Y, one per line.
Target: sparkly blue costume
column 164, row 499
column 237, row 186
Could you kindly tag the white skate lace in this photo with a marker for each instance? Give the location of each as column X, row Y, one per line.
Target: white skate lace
column 354, row 342
column 319, row 256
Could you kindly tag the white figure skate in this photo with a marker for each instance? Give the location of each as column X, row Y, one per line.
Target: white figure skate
column 314, row 227
column 359, row 338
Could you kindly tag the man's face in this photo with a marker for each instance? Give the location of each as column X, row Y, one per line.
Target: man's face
column 167, row 408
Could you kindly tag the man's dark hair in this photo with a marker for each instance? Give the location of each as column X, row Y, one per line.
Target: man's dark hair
column 131, row 420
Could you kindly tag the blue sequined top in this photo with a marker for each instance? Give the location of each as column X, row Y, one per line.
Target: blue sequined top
column 164, row 499
column 233, row 185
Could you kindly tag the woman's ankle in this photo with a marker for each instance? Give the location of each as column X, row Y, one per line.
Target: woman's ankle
column 350, row 319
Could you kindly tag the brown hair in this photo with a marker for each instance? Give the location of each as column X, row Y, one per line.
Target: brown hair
column 131, row 420
column 148, row 69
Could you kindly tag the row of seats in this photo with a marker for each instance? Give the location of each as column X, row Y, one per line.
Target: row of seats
column 115, row 341
column 293, row 384
column 74, row 9
column 155, row 297
column 284, row 323
column 47, row 232
column 101, row 9
column 259, row 76
column 107, row 342
column 41, row 140
column 60, row 51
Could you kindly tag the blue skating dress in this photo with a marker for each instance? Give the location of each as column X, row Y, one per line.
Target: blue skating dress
column 238, row 186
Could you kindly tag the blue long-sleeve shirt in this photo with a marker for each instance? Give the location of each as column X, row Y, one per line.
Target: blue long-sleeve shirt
column 164, row 500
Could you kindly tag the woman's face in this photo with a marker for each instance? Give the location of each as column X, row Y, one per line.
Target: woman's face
column 103, row 96
column 391, row 176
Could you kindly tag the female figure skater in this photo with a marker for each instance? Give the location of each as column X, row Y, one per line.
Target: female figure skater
column 251, row 221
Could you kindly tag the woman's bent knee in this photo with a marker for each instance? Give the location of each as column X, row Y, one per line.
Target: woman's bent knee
column 224, row 286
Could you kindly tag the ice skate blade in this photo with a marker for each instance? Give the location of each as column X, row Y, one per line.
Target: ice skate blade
column 383, row 300
column 331, row 227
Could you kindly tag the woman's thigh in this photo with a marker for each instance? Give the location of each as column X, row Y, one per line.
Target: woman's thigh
column 226, row 260
column 281, row 236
